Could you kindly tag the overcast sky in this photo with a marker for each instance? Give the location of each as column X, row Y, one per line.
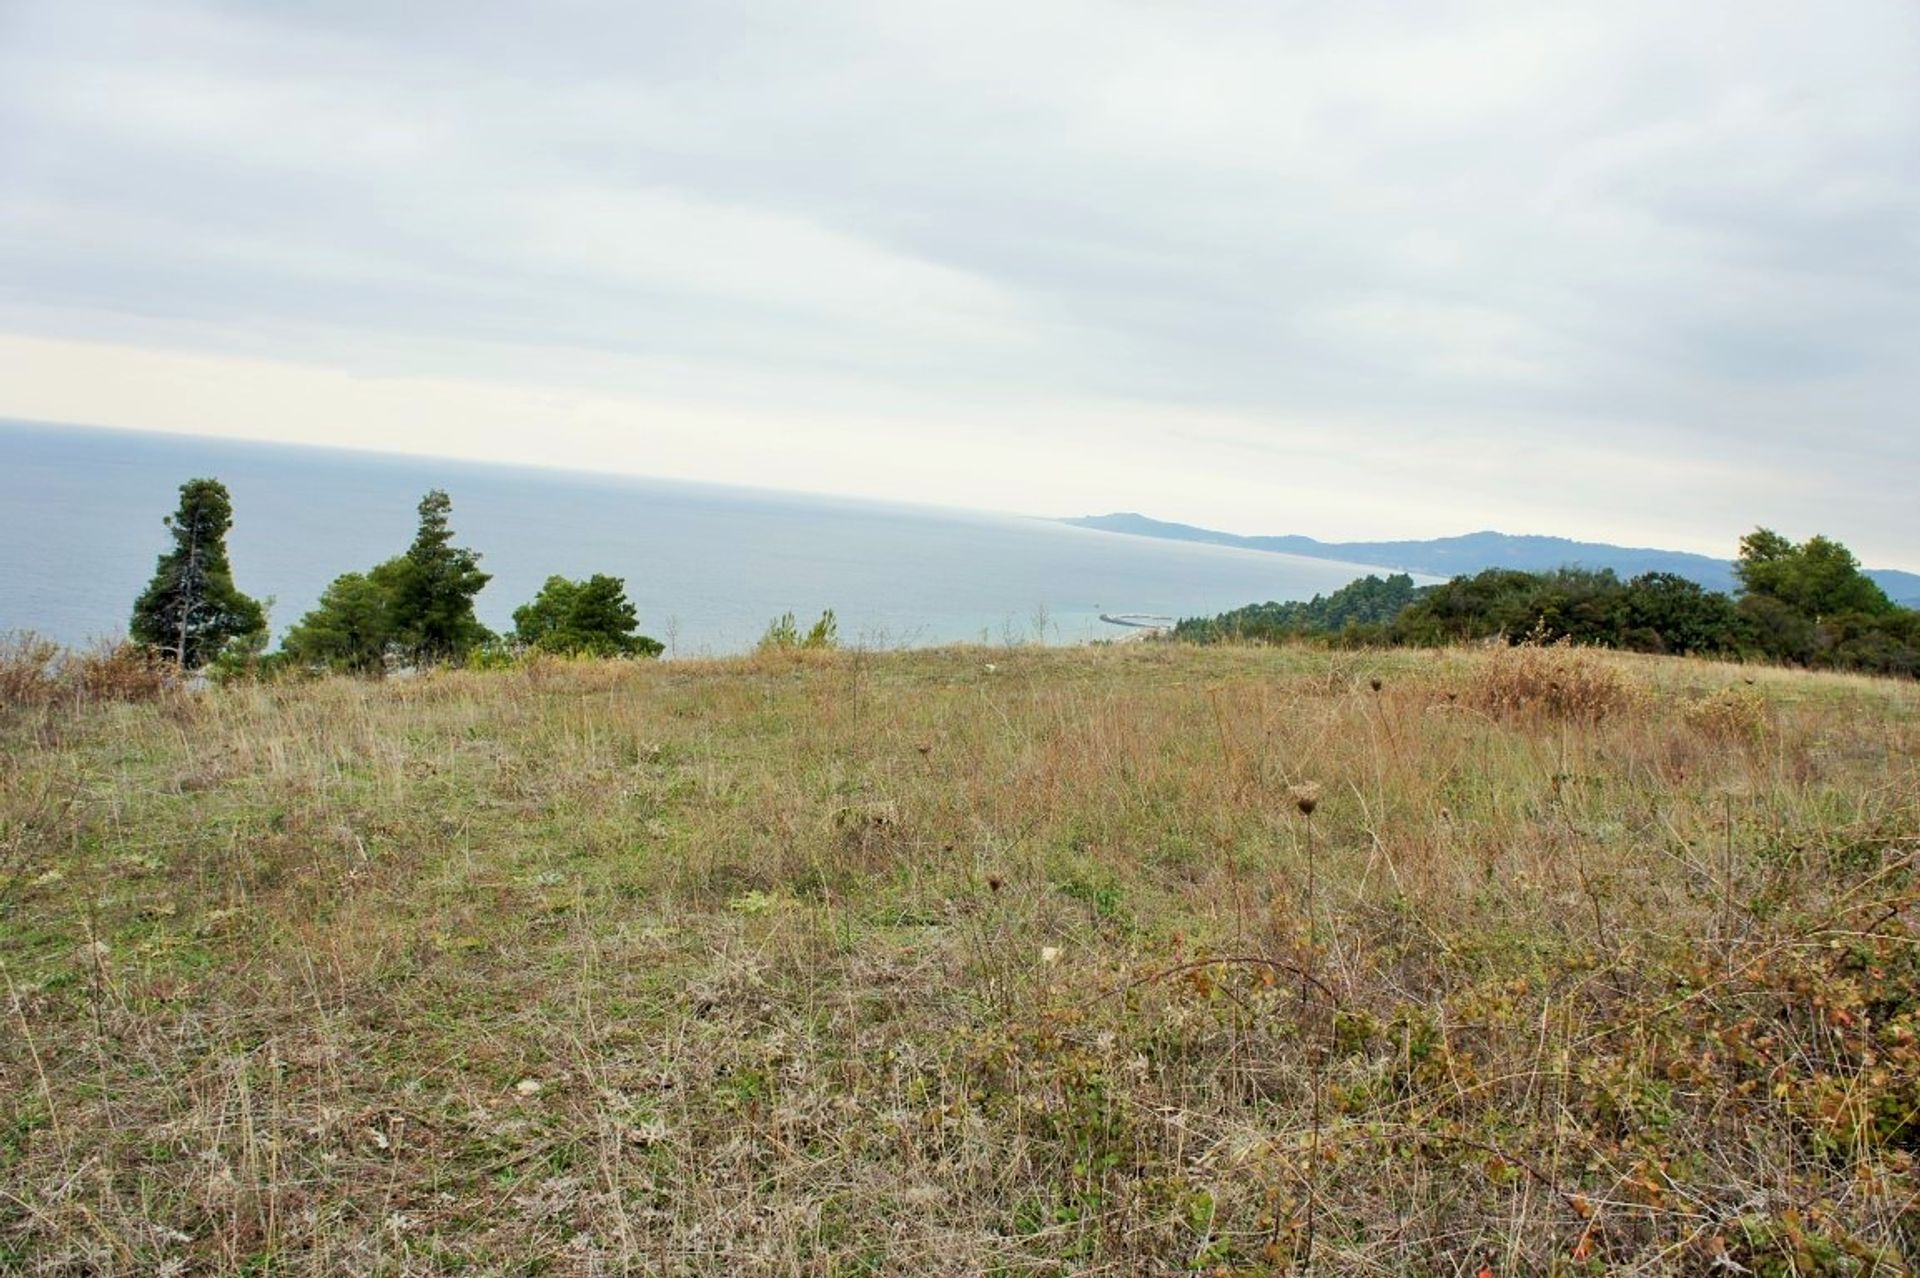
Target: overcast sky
column 1641, row 272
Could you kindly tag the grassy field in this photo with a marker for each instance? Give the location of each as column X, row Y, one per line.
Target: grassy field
column 1149, row 959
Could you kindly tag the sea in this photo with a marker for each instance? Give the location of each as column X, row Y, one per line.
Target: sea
column 707, row 566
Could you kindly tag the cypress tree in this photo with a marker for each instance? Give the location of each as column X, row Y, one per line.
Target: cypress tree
column 191, row 609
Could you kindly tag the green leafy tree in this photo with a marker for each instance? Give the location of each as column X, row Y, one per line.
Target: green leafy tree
column 1669, row 613
column 432, row 590
column 191, row 610
column 1818, row 578
column 1507, row 601
column 351, row 628
column 592, row 617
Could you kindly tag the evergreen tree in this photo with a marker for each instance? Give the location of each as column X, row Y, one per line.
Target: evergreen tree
column 537, row 622
column 592, row 616
column 351, row 627
column 433, row 586
column 783, row 633
column 191, row 609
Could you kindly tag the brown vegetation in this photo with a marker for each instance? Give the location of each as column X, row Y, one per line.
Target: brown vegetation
column 1140, row 960
column 39, row 672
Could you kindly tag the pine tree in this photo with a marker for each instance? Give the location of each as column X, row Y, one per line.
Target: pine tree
column 592, row 617
column 542, row 622
column 350, row 628
column 433, row 588
column 191, row 609
column 603, row 619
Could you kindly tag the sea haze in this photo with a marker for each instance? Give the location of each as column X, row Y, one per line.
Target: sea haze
column 707, row 566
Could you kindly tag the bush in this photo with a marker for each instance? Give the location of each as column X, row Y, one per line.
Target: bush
column 498, row 654
column 1730, row 716
column 783, row 634
column 37, row 671
column 1888, row 644
column 26, row 668
column 1555, row 680
column 117, row 672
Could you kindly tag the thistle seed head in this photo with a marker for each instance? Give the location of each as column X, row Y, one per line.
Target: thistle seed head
column 1305, row 797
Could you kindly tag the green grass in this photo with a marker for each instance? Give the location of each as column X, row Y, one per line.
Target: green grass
column 889, row 963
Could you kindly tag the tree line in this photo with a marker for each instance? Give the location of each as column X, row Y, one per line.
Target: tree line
column 416, row 608
column 1803, row 603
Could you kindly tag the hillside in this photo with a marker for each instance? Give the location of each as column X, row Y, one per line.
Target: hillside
column 1144, row 959
column 1453, row 556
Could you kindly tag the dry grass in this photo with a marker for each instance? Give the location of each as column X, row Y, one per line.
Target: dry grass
column 1556, row 680
column 892, row 963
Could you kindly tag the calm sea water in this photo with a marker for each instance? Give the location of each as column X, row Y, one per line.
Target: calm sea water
column 707, row 566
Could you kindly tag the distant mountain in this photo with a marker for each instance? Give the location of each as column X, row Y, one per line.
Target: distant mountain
column 1453, row 556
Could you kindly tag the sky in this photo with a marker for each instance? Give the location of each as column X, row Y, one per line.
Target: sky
column 1637, row 272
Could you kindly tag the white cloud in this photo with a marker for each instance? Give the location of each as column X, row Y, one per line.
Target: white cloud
column 1595, row 269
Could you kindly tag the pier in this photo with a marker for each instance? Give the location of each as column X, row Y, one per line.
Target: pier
column 1138, row 620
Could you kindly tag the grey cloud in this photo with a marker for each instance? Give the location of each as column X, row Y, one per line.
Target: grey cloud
column 1696, row 225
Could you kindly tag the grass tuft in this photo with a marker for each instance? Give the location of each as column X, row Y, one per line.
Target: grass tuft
column 1554, row 681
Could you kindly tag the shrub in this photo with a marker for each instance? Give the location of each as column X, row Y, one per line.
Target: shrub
column 496, row 655
column 1730, row 715
column 37, row 671
column 233, row 667
column 783, row 634
column 1555, row 680
column 116, row 672
column 825, row 632
column 26, row 668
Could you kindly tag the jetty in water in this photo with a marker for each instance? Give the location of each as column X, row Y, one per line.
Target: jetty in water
column 1137, row 620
